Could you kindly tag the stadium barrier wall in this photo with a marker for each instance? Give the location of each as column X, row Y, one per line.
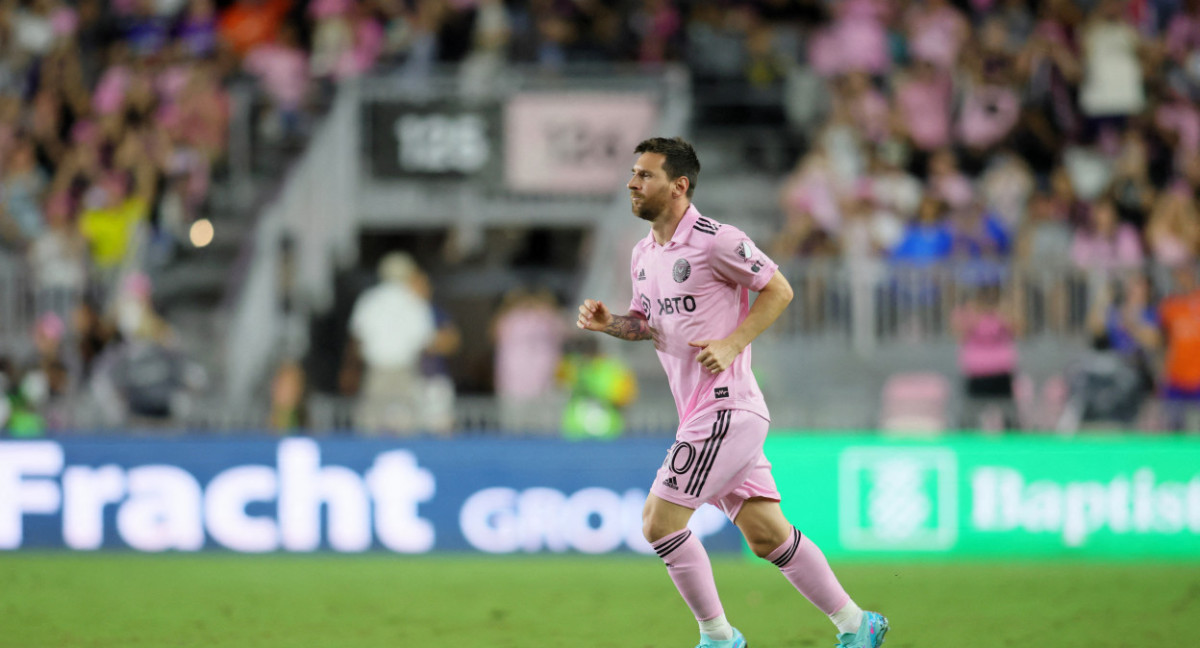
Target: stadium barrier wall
column 862, row 496
column 342, row 495
column 1103, row 497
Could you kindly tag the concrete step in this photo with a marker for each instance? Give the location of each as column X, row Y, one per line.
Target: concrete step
column 201, row 279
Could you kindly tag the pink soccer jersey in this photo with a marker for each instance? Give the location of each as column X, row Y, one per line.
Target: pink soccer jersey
column 697, row 287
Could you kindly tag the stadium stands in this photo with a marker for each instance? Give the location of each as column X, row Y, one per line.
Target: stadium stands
column 895, row 158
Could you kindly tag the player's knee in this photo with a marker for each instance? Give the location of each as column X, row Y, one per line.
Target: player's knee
column 761, row 548
column 655, row 528
column 764, row 541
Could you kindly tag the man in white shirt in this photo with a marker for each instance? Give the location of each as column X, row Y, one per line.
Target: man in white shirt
column 390, row 326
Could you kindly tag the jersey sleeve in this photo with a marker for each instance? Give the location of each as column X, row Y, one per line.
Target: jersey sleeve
column 736, row 259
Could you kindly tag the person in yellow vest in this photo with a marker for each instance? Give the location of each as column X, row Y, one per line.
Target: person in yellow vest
column 601, row 386
column 112, row 212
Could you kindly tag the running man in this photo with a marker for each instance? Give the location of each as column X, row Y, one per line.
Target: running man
column 691, row 281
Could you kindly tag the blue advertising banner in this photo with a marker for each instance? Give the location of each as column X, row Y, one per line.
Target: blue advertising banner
column 299, row 495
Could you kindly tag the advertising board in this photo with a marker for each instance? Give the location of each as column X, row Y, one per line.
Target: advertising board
column 578, row 143
column 997, row 498
column 444, row 139
column 862, row 496
column 301, row 495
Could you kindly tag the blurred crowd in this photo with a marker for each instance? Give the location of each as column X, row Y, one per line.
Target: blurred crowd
column 1053, row 134
column 114, row 119
column 1011, row 140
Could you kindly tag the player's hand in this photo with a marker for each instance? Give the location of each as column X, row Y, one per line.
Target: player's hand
column 716, row 355
column 594, row 315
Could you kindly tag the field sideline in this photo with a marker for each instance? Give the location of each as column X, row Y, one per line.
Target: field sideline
column 376, row 601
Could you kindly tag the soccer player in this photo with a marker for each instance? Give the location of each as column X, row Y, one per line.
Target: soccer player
column 691, row 281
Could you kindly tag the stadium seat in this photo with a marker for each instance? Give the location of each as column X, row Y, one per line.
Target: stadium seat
column 914, row 404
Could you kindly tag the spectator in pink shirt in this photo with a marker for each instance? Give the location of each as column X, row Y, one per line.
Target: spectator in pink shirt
column 989, row 106
column 282, row 68
column 1106, row 243
column 866, row 108
column 987, row 331
column 1183, row 33
column 1178, row 122
column 812, row 191
column 110, row 90
column 936, row 32
column 201, row 118
column 347, row 39
column 856, row 41
column 529, row 334
column 368, row 44
column 987, row 115
column 923, row 106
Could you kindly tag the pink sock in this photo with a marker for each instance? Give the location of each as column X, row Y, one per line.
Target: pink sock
column 805, row 567
column 689, row 567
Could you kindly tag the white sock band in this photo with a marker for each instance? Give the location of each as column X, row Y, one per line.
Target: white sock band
column 717, row 628
column 848, row 618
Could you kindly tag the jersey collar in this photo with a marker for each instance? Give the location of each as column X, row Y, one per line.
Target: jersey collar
column 683, row 231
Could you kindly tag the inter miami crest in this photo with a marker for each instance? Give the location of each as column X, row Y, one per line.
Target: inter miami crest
column 746, row 251
column 682, row 271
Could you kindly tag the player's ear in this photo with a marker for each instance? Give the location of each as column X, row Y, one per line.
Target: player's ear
column 681, row 187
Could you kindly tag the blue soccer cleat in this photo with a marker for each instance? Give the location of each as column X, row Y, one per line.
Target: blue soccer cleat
column 870, row 632
column 738, row 641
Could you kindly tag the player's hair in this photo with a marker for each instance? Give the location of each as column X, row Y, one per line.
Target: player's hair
column 681, row 158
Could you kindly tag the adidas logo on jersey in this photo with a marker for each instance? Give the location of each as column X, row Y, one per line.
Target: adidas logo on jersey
column 641, row 274
column 670, row 482
column 706, row 226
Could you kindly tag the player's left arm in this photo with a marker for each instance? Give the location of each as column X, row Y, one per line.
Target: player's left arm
column 717, row 355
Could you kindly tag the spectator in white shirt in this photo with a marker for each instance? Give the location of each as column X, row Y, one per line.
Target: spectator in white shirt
column 391, row 324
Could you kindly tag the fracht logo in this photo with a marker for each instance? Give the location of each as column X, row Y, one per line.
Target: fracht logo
column 249, row 508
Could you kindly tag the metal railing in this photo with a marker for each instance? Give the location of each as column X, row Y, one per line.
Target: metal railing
column 860, row 310
column 880, row 304
column 23, row 300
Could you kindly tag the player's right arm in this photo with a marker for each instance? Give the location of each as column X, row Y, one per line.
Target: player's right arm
column 595, row 316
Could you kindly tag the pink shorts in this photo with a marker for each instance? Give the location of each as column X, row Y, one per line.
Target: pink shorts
column 718, row 459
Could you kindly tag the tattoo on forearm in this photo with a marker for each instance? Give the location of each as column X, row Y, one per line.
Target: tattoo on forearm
column 630, row 328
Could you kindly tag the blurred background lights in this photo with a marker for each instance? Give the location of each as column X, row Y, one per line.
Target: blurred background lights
column 201, row 233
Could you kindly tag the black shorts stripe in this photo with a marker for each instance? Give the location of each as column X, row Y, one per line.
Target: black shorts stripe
column 712, row 459
column 703, row 468
column 705, row 450
column 723, row 422
column 703, row 456
column 791, row 551
column 671, row 545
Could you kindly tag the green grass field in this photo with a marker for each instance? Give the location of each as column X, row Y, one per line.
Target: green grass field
column 137, row 601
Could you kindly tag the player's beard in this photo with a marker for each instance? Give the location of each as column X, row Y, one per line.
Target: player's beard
column 651, row 207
